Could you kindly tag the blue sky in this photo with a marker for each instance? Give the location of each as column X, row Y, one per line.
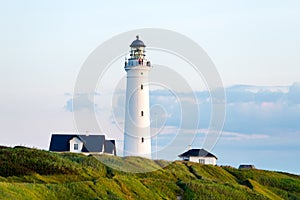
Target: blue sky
column 252, row 44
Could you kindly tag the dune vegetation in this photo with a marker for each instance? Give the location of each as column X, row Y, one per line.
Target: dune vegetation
column 37, row 174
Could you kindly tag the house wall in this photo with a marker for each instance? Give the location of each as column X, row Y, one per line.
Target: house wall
column 73, row 141
column 207, row 160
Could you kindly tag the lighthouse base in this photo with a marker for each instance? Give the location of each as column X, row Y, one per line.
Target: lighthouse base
column 137, row 146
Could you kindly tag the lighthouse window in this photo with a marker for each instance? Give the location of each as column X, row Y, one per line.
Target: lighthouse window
column 142, row 139
column 142, row 86
column 141, row 73
column 142, row 113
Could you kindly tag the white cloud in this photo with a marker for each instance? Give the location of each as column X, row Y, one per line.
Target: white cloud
column 242, row 136
column 259, row 110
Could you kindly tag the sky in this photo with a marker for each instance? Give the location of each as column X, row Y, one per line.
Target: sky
column 255, row 46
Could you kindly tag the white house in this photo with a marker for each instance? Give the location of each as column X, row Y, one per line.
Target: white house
column 86, row 144
column 200, row 156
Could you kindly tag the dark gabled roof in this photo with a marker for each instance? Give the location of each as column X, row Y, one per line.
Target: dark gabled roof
column 91, row 143
column 197, row 152
column 60, row 142
column 110, row 147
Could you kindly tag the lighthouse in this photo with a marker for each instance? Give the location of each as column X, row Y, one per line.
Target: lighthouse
column 137, row 137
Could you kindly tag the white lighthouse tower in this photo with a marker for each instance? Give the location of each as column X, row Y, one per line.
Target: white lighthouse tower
column 137, row 137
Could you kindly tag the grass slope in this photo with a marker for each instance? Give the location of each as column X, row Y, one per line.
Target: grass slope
column 35, row 174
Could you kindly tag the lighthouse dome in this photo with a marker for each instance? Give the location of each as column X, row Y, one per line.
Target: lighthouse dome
column 137, row 43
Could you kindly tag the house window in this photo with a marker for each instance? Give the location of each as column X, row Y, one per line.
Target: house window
column 142, row 113
column 75, row 146
column 202, row 161
column 142, row 86
column 142, row 139
column 141, row 73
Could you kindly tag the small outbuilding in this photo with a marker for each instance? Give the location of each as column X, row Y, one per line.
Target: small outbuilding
column 200, row 156
column 247, row 166
column 86, row 144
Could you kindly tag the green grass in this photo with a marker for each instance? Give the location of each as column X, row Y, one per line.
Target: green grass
column 25, row 161
column 284, row 185
column 35, row 174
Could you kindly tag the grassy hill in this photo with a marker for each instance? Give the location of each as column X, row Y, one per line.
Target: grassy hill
column 35, row 174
